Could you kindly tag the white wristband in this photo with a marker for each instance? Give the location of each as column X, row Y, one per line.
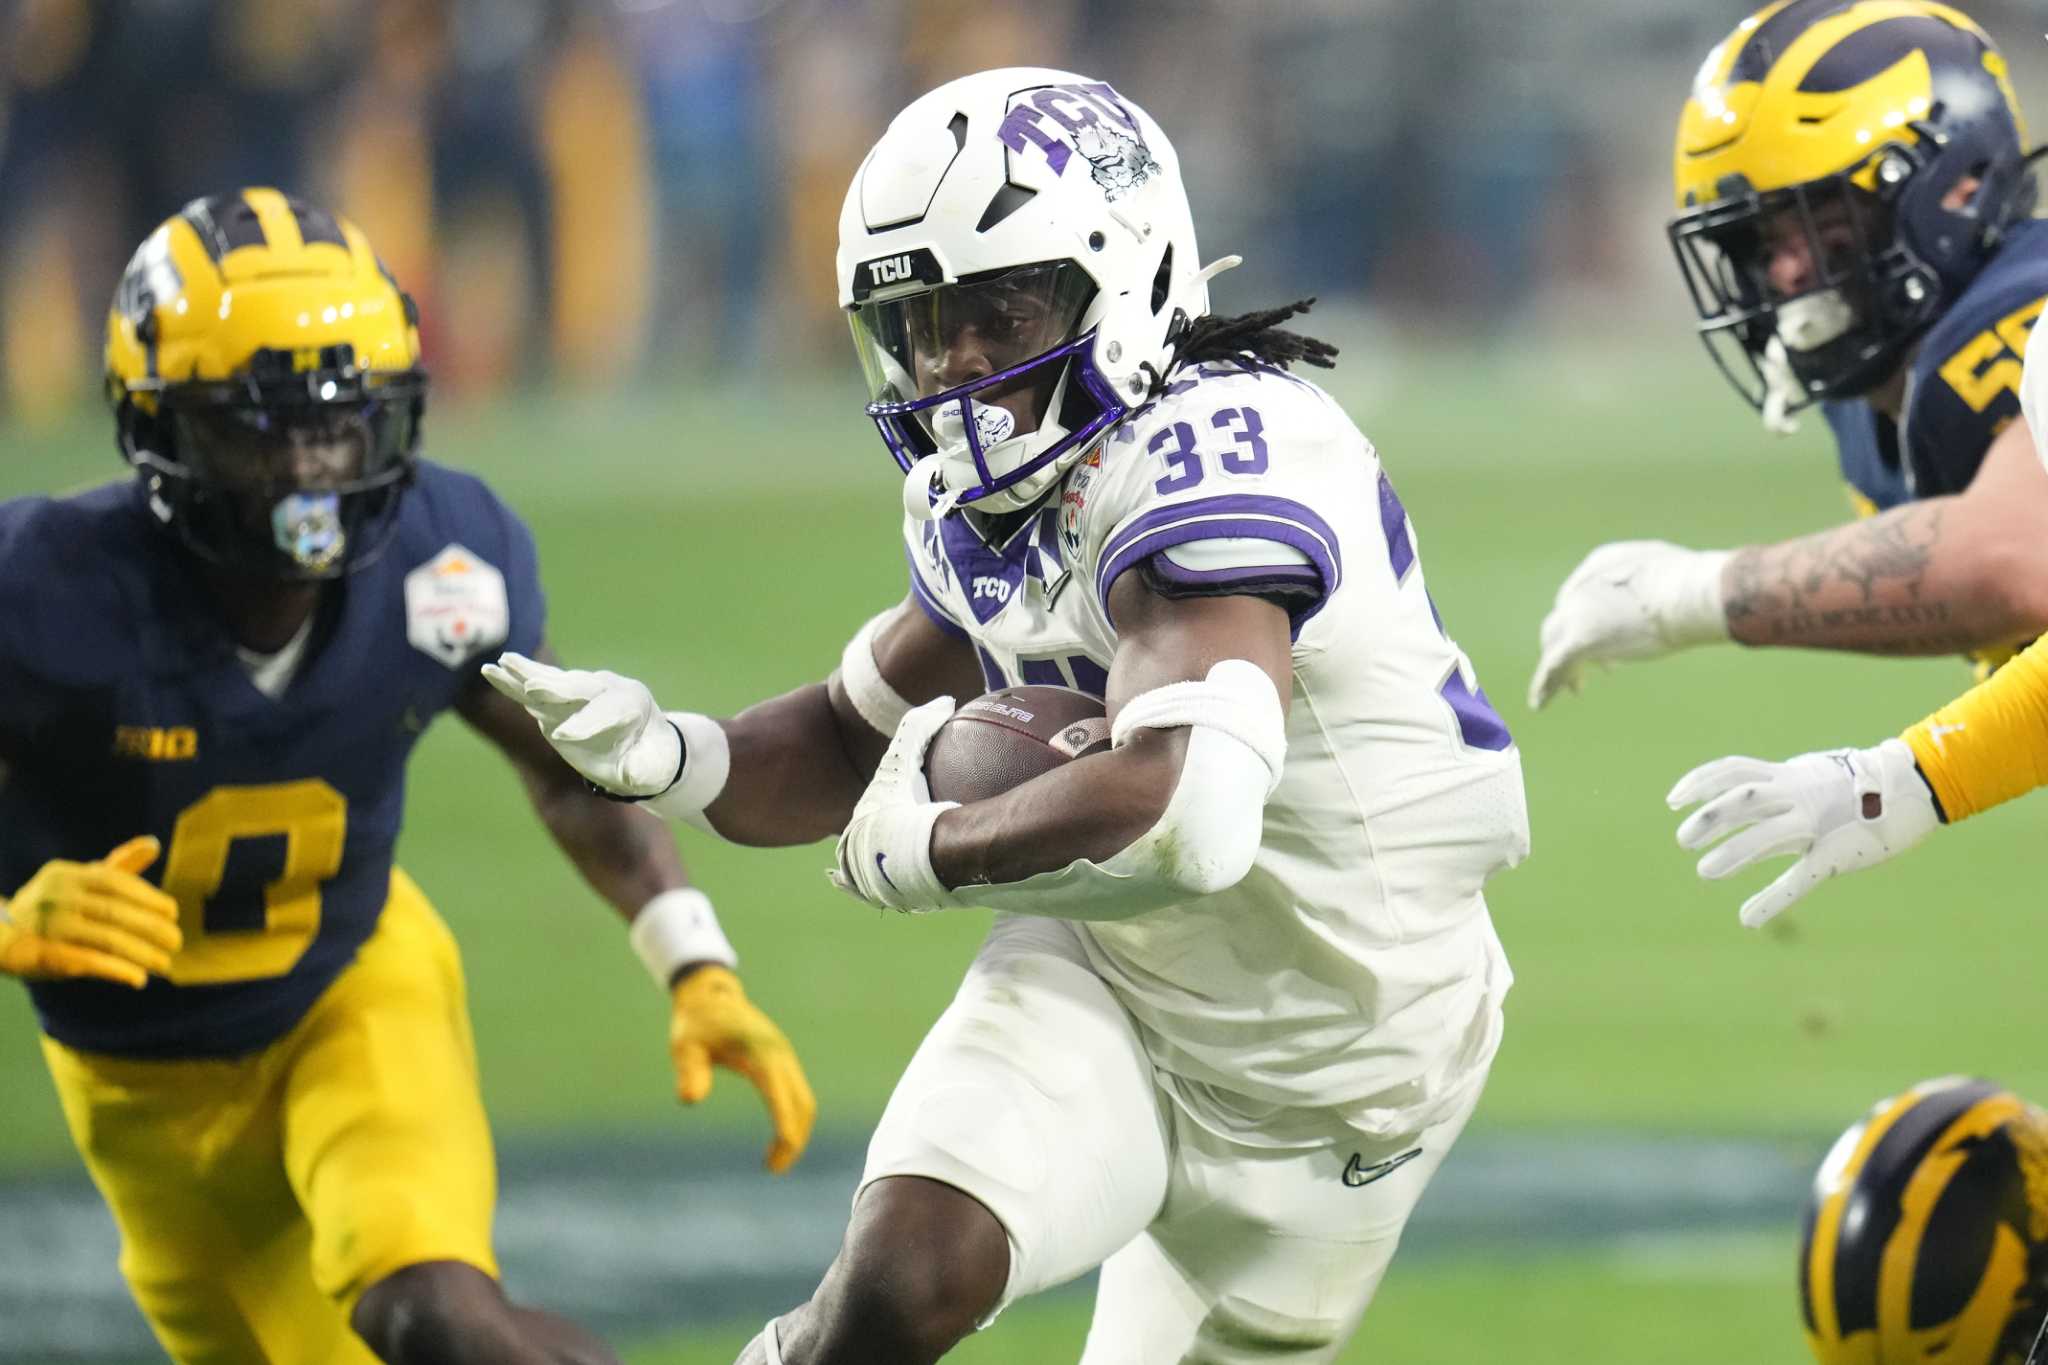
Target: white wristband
column 879, row 704
column 707, row 760
column 676, row 928
column 1696, row 615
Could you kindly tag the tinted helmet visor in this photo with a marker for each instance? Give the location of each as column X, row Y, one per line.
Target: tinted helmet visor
column 975, row 361
column 289, row 478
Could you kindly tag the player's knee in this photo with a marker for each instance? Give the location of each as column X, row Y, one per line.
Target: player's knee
column 1238, row 1329
column 428, row 1313
column 923, row 1263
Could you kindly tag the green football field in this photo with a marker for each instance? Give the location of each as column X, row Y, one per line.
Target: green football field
column 722, row 546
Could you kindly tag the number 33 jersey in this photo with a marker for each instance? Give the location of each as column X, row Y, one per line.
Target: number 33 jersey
column 128, row 711
column 1355, row 967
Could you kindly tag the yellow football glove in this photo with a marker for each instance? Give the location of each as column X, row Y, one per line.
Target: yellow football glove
column 91, row 919
column 714, row 1023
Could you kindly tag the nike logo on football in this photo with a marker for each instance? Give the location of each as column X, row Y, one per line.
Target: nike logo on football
column 1356, row 1174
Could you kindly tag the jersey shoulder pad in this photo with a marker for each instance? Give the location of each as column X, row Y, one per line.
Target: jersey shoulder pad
column 1228, row 454
column 445, row 504
column 1965, row 379
column 70, row 576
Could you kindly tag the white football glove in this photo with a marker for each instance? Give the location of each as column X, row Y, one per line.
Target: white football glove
column 1838, row 811
column 1631, row 599
column 885, row 852
column 607, row 727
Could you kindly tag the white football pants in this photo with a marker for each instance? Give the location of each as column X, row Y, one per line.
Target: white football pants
column 1034, row 1095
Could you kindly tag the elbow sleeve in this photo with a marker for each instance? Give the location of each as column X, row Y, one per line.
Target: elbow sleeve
column 1208, row 836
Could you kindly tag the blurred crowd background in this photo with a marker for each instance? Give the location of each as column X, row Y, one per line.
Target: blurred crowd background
column 600, row 191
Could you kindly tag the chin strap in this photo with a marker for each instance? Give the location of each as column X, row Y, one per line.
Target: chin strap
column 917, row 491
column 1781, row 389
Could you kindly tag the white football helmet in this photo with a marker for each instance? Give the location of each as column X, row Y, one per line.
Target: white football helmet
column 1017, row 256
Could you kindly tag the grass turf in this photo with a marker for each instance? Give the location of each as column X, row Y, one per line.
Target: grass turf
column 1692, row 1304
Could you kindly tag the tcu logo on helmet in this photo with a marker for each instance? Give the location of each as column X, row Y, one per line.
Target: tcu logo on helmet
column 1061, row 120
column 891, row 270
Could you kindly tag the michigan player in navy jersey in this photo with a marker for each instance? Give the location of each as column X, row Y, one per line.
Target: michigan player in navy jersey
column 217, row 669
column 1845, row 809
column 1855, row 225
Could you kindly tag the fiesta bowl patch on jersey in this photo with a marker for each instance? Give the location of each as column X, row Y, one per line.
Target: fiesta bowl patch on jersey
column 455, row 606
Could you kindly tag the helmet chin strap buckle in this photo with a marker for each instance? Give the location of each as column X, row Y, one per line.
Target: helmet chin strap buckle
column 917, row 491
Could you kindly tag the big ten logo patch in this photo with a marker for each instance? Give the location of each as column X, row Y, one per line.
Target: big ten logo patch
column 455, row 606
column 156, row 743
column 1086, row 118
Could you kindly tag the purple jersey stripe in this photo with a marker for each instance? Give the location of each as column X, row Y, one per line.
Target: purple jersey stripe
column 1037, row 671
column 1251, row 516
column 1394, row 521
column 1276, row 574
column 1231, row 505
column 1089, row 676
column 1049, row 537
column 941, row 618
column 1478, row 722
column 991, row 671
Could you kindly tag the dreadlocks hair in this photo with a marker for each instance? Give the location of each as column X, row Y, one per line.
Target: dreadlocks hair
column 1258, row 335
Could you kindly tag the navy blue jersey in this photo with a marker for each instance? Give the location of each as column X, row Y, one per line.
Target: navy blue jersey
column 1962, row 386
column 125, row 710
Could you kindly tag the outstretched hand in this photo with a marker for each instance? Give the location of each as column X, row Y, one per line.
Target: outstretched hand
column 712, row 1023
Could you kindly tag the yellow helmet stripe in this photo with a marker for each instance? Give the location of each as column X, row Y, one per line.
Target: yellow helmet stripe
column 1721, row 60
column 280, row 224
column 1751, row 114
column 1916, row 1208
column 1844, row 1173
column 1827, row 1223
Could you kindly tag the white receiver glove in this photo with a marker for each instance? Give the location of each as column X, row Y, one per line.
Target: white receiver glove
column 1631, row 599
column 885, row 852
column 1837, row 811
column 606, row 726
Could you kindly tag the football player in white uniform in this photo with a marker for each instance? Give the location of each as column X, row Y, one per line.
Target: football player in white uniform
column 1242, row 990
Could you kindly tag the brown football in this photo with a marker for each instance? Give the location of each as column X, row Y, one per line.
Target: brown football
column 1000, row 740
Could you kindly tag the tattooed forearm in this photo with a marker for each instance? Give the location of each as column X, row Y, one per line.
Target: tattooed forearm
column 1894, row 584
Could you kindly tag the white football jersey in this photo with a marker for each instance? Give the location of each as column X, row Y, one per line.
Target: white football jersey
column 2034, row 390
column 1355, row 967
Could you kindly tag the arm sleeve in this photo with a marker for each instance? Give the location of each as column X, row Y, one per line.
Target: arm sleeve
column 526, row 601
column 26, row 699
column 1990, row 744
